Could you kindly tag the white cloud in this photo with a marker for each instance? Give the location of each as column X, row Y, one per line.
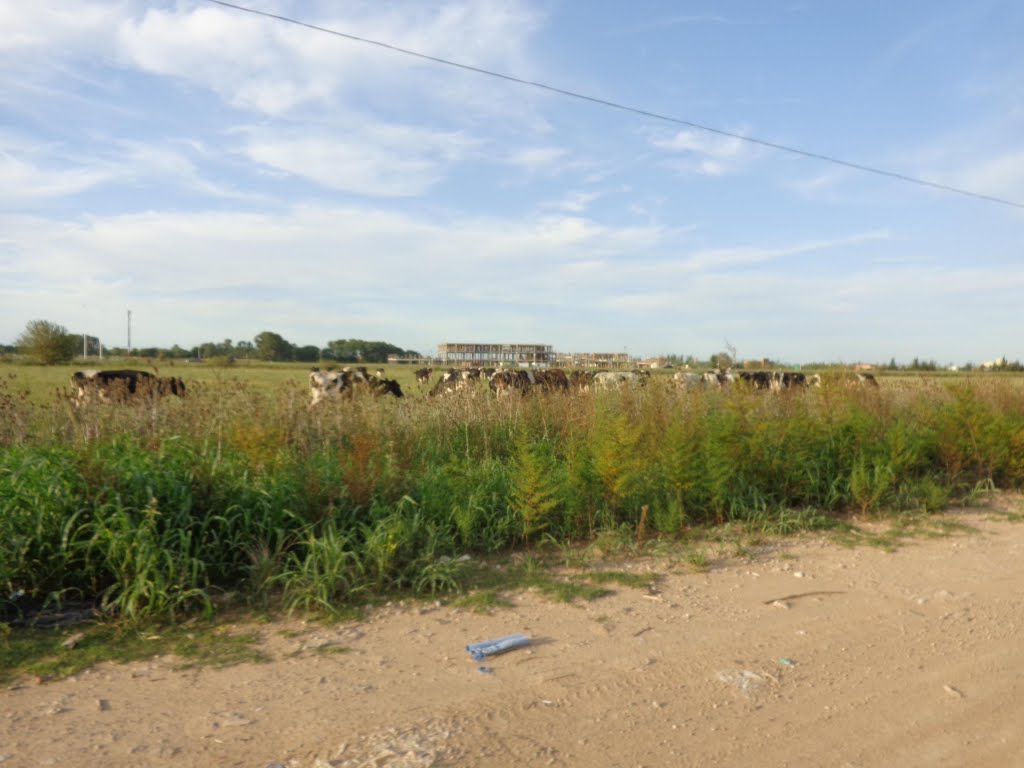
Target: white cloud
column 57, row 25
column 274, row 67
column 706, row 153
column 575, row 202
column 363, row 157
column 21, row 181
column 1001, row 175
column 537, row 159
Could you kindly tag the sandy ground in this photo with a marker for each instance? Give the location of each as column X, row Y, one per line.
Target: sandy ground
column 808, row 654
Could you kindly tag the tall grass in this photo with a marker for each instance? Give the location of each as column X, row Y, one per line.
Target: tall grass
column 162, row 508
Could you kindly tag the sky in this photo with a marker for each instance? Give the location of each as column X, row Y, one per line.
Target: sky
column 220, row 174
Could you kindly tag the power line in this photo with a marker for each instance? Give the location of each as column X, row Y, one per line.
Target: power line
column 626, row 108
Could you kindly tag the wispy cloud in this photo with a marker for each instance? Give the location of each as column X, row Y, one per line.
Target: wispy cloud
column 538, row 159
column 364, row 157
column 575, row 202
column 706, row 153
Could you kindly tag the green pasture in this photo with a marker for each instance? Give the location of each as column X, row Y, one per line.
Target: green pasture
column 42, row 382
column 242, row 493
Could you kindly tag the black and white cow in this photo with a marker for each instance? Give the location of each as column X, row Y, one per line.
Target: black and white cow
column 423, row 376
column 122, row 385
column 326, row 385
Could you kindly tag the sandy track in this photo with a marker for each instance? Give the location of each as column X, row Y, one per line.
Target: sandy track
column 912, row 658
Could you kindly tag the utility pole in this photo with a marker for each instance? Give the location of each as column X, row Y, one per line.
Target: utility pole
column 129, row 333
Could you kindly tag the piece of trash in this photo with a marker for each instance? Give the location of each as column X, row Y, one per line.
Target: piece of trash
column 783, row 661
column 953, row 691
column 493, row 647
column 485, row 670
column 747, row 681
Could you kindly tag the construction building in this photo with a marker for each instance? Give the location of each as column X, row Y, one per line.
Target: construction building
column 594, row 360
column 458, row 353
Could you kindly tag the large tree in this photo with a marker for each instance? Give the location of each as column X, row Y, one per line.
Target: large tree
column 362, row 351
column 272, row 346
column 47, row 342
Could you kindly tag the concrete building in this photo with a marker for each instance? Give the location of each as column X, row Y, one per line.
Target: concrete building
column 461, row 353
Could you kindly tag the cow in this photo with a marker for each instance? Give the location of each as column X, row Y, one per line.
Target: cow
column 581, row 381
column 382, row 386
column 504, row 382
column 867, row 379
column 688, row 380
column 328, row 384
column 788, row 380
column 719, row 378
column 324, row 385
column 451, row 382
column 619, row 379
column 552, row 380
column 758, row 379
column 122, row 385
column 423, row 376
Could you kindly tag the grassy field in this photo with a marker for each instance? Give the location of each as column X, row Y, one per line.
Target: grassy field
column 241, row 493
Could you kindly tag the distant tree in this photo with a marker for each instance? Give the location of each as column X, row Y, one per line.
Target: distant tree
column 307, row 354
column 362, row 351
column 722, row 360
column 892, row 365
column 47, row 342
column 272, row 346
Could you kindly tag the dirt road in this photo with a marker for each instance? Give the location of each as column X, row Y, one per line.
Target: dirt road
column 810, row 654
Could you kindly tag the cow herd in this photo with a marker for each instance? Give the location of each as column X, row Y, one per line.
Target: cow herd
column 122, row 385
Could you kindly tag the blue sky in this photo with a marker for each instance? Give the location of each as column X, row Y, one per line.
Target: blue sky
column 221, row 174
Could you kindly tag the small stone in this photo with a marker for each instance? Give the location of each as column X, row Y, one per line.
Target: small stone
column 103, row 705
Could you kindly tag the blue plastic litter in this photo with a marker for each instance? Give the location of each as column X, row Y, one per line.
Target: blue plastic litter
column 479, row 651
column 485, row 670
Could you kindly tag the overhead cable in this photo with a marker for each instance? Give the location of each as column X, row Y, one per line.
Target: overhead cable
column 635, row 110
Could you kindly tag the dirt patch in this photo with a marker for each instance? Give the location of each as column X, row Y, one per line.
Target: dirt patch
column 810, row 654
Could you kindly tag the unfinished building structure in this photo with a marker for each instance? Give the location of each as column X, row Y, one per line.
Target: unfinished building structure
column 459, row 353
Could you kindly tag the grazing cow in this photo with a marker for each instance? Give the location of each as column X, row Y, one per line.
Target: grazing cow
column 788, row 380
column 122, row 385
column 618, row 379
column 552, row 380
column 758, row 379
column 581, row 381
column 330, row 384
column 382, row 386
column 423, row 376
column 688, row 380
column 454, row 381
column 867, row 379
column 719, row 378
column 505, row 382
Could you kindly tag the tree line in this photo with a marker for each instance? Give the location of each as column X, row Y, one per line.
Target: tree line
column 50, row 344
